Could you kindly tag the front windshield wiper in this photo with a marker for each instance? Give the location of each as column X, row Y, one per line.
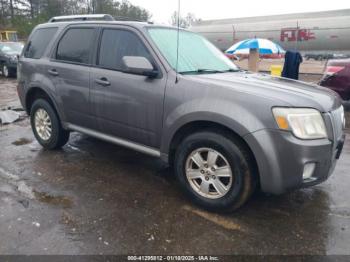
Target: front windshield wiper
column 211, row 71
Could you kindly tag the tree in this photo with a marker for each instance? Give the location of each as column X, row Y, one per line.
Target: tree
column 185, row 22
column 23, row 15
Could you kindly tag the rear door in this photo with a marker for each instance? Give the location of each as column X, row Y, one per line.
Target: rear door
column 69, row 70
column 129, row 106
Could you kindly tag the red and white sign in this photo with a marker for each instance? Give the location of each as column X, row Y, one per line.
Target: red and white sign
column 296, row 34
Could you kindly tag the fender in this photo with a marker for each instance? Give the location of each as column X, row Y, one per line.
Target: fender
column 242, row 121
column 44, row 84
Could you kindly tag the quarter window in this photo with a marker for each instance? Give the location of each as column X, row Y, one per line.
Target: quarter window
column 38, row 42
column 115, row 44
column 76, row 45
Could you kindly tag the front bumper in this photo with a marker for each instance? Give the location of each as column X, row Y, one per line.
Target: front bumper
column 12, row 65
column 281, row 159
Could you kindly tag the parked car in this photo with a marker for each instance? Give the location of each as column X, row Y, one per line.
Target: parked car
column 8, row 57
column 318, row 56
column 337, row 77
column 340, row 56
column 224, row 131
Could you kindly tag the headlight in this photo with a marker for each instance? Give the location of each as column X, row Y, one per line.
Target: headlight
column 13, row 59
column 342, row 115
column 305, row 123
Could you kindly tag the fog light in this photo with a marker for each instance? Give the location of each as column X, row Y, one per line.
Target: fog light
column 309, row 169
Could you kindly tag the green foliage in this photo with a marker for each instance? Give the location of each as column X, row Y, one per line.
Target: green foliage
column 24, row 15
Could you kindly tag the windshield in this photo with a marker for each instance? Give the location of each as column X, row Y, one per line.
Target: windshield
column 196, row 54
column 11, row 48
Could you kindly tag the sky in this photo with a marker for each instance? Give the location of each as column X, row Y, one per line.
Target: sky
column 161, row 10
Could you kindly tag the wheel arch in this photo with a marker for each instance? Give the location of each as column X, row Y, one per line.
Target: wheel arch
column 196, row 126
column 35, row 93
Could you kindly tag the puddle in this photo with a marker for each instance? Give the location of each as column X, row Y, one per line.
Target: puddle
column 15, row 184
column 21, row 141
column 62, row 201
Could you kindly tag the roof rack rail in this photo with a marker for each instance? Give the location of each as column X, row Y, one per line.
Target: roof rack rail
column 66, row 18
column 126, row 18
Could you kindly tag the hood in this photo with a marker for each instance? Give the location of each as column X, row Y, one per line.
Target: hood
column 338, row 62
column 285, row 92
column 13, row 53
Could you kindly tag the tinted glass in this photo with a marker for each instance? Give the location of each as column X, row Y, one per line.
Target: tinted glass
column 76, row 45
column 38, row 42
column 115, row 44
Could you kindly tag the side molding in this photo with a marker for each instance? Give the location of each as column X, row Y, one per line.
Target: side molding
column 115, row 140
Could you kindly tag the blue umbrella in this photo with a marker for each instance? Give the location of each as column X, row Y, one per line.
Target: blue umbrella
column 264, row 46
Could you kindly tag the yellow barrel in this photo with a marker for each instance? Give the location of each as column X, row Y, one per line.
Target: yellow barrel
column 276, row 70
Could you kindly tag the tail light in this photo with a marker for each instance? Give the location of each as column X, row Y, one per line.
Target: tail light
column 331, row 70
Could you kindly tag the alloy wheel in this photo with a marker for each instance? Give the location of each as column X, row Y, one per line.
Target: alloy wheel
column 5, row 71
column 43, row 125
column 209, row 173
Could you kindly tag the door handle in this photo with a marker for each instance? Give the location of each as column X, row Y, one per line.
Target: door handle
column 102, row 81
column 53, row 72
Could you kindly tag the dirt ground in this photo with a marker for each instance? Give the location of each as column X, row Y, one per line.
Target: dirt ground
column 307, row 67
column 93, row 197
column 310, row 70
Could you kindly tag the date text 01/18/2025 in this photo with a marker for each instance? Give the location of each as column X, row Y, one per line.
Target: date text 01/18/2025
column 173, row 258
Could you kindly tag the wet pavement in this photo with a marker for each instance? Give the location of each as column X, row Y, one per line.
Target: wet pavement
column 92, row 197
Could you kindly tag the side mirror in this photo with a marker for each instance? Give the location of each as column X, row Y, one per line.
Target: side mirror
column 139, row 65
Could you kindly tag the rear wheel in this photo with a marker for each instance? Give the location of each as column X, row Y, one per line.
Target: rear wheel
column 215, row 170
column 46, row 126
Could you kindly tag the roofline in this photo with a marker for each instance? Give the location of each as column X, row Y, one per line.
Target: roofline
column 93, row 17
column 135, row 24
column 105, row 17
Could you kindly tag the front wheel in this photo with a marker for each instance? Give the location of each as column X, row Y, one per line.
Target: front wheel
column 216, row 170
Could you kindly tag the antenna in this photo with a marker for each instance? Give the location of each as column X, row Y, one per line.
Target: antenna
column 178, row 38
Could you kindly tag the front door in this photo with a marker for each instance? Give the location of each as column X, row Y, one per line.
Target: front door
column 127, row 106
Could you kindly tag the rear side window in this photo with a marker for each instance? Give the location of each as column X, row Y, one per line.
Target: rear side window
column 76, row 45
column 115, row 44
column 38, row 42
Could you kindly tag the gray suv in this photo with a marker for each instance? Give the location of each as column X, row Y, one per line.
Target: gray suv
column 224, row 131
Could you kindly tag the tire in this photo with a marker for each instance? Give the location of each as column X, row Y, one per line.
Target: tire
column 42, row 110
column 232, row 151
column 6, row 72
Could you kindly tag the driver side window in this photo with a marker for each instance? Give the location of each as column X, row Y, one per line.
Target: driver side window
column 117, row 43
